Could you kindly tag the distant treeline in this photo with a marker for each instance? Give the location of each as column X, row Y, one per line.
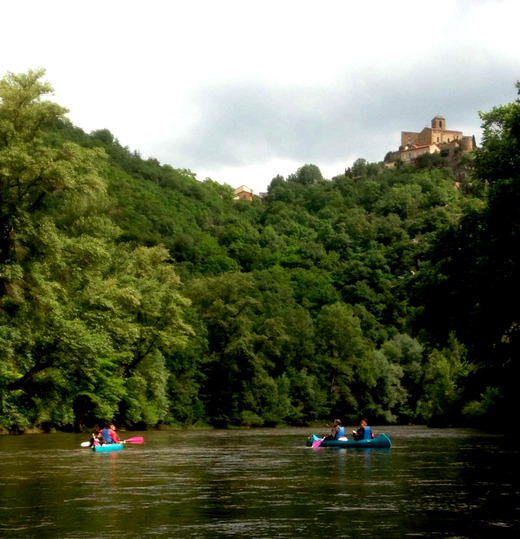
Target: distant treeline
column 131, row 291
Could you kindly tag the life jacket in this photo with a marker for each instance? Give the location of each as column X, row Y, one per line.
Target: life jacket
column 341, row 432
column 106, row 436
column 367, row 435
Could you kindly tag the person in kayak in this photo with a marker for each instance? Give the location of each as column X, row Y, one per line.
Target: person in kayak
column 110, row 435
column 96, row 438
column 337, row 431
column 364, row 432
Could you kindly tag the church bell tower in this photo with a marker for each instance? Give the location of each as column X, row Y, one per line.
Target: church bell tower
column 439, row 122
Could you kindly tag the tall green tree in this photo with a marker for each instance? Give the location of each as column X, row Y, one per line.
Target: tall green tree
column 343, row 352
column 30, row 170
column 224, row 304
column 82, row 317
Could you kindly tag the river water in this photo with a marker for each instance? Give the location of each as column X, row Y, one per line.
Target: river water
column 262, row 484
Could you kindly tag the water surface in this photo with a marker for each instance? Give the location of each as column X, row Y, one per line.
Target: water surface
column 262, row 484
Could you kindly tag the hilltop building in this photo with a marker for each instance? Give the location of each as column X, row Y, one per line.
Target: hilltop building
column 413, row 151
column 430, row 140
column 436, row 134
column 243, row 193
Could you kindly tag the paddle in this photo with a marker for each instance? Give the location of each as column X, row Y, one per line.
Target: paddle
column 134, row 440
column 317, row 443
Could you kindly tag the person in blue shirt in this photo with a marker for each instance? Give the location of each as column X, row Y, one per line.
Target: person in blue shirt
column 337, row 431
column 109, row 434
column 364, row 432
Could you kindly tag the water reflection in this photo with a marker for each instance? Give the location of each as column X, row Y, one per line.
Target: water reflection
column 259, row 484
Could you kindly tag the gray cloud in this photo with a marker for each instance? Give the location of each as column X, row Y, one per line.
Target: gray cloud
column 359, row 115
column 304, row 84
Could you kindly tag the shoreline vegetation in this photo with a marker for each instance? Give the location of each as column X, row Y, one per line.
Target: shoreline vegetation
column 317, row 428
column 131, row 291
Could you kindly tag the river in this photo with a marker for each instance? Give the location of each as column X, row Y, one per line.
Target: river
column 262, row 484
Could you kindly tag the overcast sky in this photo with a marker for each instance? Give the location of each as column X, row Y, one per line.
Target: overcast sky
column 240, row 91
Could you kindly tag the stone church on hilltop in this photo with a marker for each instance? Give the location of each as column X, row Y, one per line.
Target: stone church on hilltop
column 436, row 134
column 430, row 140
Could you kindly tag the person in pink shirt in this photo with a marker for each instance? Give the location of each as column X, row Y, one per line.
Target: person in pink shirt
column 113, row 434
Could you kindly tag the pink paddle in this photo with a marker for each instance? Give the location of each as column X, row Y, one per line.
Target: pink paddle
column 317, row 443
column 135, row 440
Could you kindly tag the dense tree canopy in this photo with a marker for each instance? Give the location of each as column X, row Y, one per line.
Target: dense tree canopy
column 129, row 290
column 470, row 284
column 82, row 315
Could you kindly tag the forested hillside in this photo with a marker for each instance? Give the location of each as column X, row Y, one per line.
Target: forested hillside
column 130, row 290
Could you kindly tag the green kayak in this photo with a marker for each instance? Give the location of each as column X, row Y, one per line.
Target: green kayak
column 379, row 442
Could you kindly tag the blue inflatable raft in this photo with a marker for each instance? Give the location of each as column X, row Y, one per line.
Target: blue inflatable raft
column 380, row 442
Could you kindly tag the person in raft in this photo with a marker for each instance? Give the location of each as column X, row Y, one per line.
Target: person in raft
column 110, row 435
column 96, row 438
column 364, row 432
column 337, row 431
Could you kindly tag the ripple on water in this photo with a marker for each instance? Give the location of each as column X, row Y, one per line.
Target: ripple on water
column 260, row 484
